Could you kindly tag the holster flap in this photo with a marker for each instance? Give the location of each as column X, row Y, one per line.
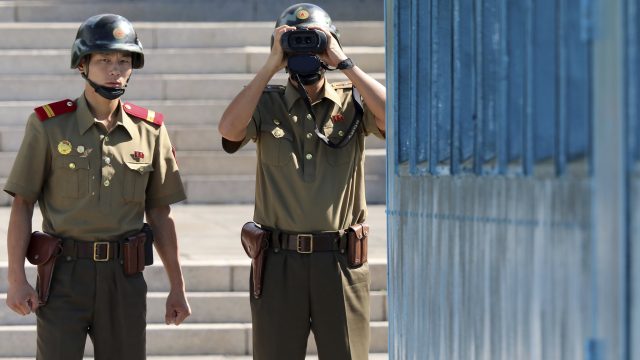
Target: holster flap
column 360, row 230
column 42, row 248
column 254, row 239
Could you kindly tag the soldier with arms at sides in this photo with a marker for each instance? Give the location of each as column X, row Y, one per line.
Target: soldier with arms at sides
column 96, row 166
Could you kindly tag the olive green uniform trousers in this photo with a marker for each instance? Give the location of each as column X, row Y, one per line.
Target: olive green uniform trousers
column 311, row 292
column 95, row 299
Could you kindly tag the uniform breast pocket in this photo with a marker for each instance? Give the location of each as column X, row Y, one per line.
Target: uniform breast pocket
column 71, row 176
column 345, row 154
column 275, row 146
column 135, row 180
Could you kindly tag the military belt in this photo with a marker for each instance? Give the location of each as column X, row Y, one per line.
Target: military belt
column 98, row 251
column 309, row 242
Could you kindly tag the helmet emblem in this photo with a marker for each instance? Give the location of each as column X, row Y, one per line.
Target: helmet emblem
column 119, row 33
column 302, row 14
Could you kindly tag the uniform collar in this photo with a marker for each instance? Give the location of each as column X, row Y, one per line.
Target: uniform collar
column 86, row 119
column 291, row 95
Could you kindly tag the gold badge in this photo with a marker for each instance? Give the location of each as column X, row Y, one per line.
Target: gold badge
column 277, row 133
column 64, row 147
column 302, row 14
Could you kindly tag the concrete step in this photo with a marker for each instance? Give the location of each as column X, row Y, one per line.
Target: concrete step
column 183, row 138
column 236, row 60
column 171, row 35
column 206, row 307
column 176, row 112
column 221, row 163
column 48, row 88
column 186, row 339
column 212, row 276
column 372, row 356
column 182, row 10
column 237, row 189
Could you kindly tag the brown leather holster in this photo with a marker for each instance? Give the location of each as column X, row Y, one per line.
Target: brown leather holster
column 357, row 244
column 43, row 250
column 133, row 253
column 255, row 241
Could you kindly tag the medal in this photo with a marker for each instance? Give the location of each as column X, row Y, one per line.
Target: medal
column 277, row 133
column 64, row 147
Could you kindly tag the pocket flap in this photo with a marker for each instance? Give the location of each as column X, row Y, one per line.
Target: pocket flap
column 140, row 167
column 71, row 163
column 276, row 131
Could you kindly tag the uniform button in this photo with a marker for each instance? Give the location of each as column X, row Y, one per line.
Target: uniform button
column 101, row 137
column 68, row 258
column 309, row 135
column 107, row 160
column 276, row 121
column 309, row 156
column 309, row 117
column 127, row 106
column 69, row 103
column 294, row 118
column 107, row 183
column 72, row 165
column 93, row 193
column 341, row 133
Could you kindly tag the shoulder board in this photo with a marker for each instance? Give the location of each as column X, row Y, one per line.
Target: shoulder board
column 142, row 113
column 274, row 88
column 342, row 85
column 54, row 109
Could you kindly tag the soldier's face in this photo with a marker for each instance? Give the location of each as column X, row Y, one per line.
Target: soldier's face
column 111, row 69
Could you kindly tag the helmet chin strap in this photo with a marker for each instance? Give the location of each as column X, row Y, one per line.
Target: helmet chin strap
column 108, row 93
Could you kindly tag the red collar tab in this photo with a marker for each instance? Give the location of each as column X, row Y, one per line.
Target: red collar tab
column 142, row 113
column 54, row 109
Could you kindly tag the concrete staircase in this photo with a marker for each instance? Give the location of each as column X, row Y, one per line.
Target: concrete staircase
column 221, row 320
column 191, row 72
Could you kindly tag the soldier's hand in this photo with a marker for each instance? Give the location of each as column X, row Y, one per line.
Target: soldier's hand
column 276, row 60
column 177, row 308
column 334, row 53
column 22, row 298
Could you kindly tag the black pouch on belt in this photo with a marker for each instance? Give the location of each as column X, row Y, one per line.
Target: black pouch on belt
column 255, row 241
column 357, row 244
column 42, row 251
column 133, row 253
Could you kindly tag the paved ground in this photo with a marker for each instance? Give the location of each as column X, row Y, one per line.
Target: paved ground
column 212, row 232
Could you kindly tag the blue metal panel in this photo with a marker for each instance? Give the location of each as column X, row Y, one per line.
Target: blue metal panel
column 463, row 118
column 497, row 86
column 485, row 266
column 441, row 85
column 545, row 54
column 516, row 80
column 633, row 176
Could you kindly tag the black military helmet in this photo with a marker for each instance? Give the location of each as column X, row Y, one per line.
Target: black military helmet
column 305, row 14
column 106, row 32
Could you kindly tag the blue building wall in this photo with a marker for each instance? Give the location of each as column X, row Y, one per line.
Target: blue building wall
column 512, row 194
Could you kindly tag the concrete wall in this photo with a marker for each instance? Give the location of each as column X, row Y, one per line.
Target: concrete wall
column 180, row 10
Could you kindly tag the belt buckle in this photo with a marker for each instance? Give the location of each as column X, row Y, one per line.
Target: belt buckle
column 300, row 248
column 96, row 256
